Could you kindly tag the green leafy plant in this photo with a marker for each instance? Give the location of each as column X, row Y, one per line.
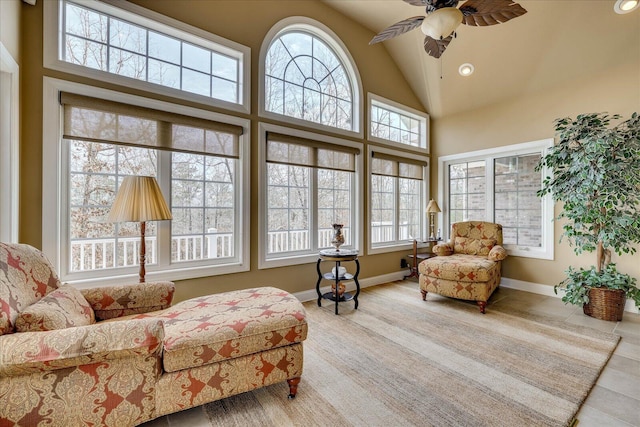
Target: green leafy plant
column 580, row 281
column 596, row 175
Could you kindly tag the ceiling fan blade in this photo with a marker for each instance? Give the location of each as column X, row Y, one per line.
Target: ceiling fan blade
column 439, row 4
column 435, row 47
column 433, row 4
column 422, row 3
column 490, row 12
column 397, row 29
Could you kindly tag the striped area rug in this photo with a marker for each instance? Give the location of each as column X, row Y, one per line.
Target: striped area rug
column 401, row 361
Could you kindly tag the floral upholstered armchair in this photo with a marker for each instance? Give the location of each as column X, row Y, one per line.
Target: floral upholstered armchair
column 121, row 355
column 468, row 266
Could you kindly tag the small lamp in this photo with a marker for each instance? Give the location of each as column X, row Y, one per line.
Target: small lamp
column 139, row 199
column 432, row 209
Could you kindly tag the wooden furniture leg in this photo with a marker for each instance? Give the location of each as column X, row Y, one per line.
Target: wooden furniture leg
column 318, row 283
column 482, row 305
column 293, row 387
column 414, row 262
column 424, row 295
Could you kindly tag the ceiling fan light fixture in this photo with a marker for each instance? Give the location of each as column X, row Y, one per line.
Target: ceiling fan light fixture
column 466, row 69
column 625, row 6
column 441, row 23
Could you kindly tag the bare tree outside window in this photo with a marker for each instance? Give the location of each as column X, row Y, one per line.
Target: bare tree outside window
column 305, row 79
column 102, row 42
column 202, row 187
column 202, row 202
column 383, row 196
column 95, row 172
column 288, row 195
column 304, row 201
column 393, row 125
column 396, row 201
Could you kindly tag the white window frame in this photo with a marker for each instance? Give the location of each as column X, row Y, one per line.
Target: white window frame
column 488, row 155
column 317, row 29
column 9, row 146
column 52, row 34
column 270, row 261
column 54, row 194
column 386, row 247
column 393, row 106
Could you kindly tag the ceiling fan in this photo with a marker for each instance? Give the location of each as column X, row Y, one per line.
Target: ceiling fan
column 443, row 17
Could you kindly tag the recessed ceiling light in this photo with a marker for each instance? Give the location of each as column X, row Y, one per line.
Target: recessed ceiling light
column 625, row 6
column 466, row 69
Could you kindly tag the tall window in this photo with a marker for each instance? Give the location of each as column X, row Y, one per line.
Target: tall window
column 500, row 185
column 397, row 199
column 390, row 122
column 122, row 44
column 467, row 191
column 9, row 146
column 310, row 185
column 517, row 207
column 196, row 162
column 308, row 77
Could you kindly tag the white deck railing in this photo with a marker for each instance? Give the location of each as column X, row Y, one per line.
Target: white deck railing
column 92, row 254
column 383, row 232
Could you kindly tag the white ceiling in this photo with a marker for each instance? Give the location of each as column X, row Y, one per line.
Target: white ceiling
column 554, row 42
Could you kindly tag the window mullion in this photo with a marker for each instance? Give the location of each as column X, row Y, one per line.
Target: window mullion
column 313, row 208
column 146, row 55
column 164, row 227
column 490, row 189
column 446, row 199
column 396, row 211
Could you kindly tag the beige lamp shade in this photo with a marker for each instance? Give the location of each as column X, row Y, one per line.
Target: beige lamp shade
column 139, row 199
column 433, row 207
column 441, row 23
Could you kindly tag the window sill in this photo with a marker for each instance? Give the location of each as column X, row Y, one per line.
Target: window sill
column 396, row 247
column 290, row 260
column 177, row 273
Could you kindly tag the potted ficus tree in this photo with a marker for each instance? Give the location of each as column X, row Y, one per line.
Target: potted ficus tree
column 596, row 175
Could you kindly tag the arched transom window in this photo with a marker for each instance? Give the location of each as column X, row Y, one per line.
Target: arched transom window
column 306, row 78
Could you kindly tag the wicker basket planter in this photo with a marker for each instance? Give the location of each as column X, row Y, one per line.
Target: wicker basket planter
column 605, row 304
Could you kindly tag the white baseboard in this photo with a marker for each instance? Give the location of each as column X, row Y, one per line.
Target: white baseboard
column 547, row 290
column 311, row 295
column 535, row 288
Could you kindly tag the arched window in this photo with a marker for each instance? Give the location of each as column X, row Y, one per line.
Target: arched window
column 308, row 75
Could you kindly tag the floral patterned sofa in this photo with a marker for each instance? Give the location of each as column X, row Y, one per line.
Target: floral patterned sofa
column 468, row 266
column 121, row 355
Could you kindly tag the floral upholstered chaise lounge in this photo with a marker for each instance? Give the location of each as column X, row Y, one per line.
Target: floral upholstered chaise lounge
column 468, row 266
column 121, row 355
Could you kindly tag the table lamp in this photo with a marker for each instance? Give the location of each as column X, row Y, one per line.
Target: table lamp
column 139, row 199
column 432, row 209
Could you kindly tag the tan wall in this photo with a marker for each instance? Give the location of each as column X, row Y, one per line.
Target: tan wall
column 10, row 27
column 245, row 22
column 530, row 118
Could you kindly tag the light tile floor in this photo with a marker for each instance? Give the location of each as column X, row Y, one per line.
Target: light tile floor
column 613, row 402
column 615, row 399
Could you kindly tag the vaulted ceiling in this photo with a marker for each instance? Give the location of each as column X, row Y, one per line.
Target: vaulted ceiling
column 555, row 42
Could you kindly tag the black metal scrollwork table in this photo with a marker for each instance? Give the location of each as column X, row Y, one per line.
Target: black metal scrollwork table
column 338, row 256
